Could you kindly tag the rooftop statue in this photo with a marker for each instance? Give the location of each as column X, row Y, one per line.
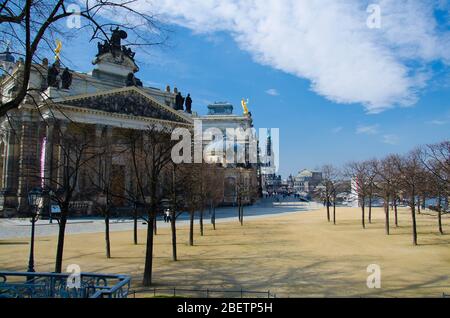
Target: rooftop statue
column 66, row 79
column 116, row 37
column 244, row 106
column 179, row 101
column 58, row 50
column 188, row 104
column 133, row 81
column 52, row 76
column 114, row 45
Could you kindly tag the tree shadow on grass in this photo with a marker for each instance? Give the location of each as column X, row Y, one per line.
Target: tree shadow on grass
column 293, row 282
column 14, row 243
column 413, row 286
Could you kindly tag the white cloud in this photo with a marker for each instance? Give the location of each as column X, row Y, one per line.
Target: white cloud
column 272, row 92
column 328, row 42
column 437, row 122
column 367, row 129
column 391, row 139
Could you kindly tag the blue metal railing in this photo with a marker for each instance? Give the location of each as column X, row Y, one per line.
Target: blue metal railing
column 54, row 285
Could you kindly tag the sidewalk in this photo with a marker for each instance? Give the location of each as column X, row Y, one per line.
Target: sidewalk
column 20, row 228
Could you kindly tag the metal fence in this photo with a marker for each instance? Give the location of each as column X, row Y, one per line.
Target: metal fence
column 55, row 285
column 200, row 293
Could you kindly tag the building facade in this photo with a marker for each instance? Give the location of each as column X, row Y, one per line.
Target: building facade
column 240, row 171
column 105, row 103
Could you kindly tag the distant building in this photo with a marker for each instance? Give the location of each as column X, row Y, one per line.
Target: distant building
column 271, row 182
column 290, row 182
column 220, row 116
column 307, row 181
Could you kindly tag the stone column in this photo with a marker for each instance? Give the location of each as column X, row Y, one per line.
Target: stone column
column 46, row 180
column 28, row 163
column 8, row 198
column 48, row 161
column 4, row 159
column 11, row 162
column 100, row 164
column 60, row 155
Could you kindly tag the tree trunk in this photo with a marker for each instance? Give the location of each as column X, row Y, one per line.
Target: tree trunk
column 328, row 210
column 174, row 237
column 135, row 227
column 386, row 212
column 191, row 229
column 155, row 226
column 363, row 206
column 239, row 210
column 334, row 211
column 213, row 219
column 242, row 215
column 149, row 253
column 395, row 212
column 370, row 209
column 201, row 222
column 107, row 240
column 414, row 227
column 439, row 208
column 60, row 246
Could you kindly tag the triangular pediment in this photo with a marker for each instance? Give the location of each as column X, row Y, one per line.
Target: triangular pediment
column 130, row 101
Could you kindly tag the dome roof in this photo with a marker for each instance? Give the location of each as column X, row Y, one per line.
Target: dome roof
column 305, row 174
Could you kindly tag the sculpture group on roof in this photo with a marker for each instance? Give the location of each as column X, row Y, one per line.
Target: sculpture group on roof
column 180, row 101
column 114, row 45
column 54, row 79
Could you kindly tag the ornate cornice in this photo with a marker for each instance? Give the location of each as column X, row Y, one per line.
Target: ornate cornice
column 93, row 116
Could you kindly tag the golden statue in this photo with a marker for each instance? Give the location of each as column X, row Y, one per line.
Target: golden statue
column 244, row 106
column 58, row 49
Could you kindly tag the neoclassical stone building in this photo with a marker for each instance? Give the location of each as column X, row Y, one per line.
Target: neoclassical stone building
column 105, row 102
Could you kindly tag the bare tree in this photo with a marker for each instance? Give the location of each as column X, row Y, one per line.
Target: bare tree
column 31, row 27
column 203, row 180
column 329, row 174
column 439, row 161
column 75, row 145
column 436, row 160
column 411, row 177
column 192, row 194
column 437, row 190
column 384, row 183
column 150, row 152
column 371, row 176
column 340, row 187
column 243, row 192
column 395, row 190
column 214, row 190
column 175, row 190
column 102, row 181
column 361, row 184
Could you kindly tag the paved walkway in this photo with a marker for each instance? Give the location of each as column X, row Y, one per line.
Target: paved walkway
column 20, row 228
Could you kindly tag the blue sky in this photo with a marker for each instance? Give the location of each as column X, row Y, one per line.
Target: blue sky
column 321, row 123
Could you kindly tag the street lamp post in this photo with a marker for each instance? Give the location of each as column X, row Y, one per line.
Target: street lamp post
column 34, row 197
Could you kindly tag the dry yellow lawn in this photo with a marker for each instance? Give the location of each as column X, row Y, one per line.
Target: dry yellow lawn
column 296, row 255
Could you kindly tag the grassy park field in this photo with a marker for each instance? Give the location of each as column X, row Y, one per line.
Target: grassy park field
column 292, row 255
